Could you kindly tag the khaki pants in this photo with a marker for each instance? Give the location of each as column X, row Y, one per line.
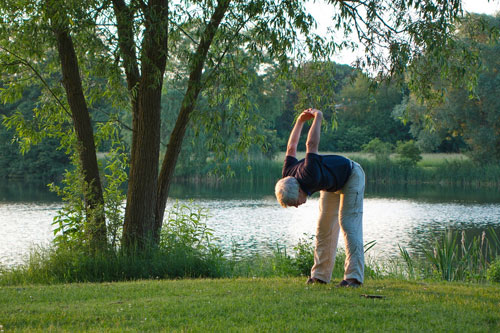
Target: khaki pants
column 341, row 209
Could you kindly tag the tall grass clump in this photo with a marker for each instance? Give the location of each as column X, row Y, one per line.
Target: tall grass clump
column 452, row 257
column 256, row 169
column 468, row 173
column 284, row 263
column 387, row 171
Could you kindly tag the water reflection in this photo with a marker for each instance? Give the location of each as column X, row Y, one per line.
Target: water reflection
column 18, row 191
column 23, row 226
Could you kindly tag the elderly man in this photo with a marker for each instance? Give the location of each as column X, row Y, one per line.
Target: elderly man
column 341, row 183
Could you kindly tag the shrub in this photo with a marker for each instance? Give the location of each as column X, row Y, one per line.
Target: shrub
column 408, row 153
column 346, row 139
column 380, row 149
column 186, row 225
column 304, row 258
column 493, row 273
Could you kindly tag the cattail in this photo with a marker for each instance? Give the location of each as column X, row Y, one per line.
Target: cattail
column 463, row 240
column 483, row 237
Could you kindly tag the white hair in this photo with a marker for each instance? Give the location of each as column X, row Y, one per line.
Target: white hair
column 287, row 191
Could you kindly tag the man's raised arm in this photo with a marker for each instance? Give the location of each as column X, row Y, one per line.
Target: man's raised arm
column 293, row 141
column 312, row 144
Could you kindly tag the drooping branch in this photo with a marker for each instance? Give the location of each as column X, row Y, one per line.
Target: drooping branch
column 26, row 63
column 184, row 32
column 227, row 48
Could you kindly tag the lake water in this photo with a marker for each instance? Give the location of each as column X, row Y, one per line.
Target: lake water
column 249, row 216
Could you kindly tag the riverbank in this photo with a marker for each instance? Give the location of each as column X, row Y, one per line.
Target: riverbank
column 246, row 304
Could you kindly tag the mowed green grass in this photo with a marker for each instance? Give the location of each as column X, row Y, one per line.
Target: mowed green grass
column 249, row 305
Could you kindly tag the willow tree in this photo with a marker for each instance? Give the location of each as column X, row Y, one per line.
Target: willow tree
column 106, row 47
column 462, row 114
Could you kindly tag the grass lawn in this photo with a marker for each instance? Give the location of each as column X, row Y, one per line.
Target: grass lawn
column 249, row 305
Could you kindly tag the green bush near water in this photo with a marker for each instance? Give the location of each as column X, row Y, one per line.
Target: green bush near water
column 493, row 273
column 408, row 153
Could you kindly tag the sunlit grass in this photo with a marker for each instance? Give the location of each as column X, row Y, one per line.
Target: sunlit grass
column 436, row 159
column 249, row 305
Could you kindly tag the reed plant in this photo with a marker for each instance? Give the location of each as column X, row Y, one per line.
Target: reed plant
column 452, row 257
column 409, row 262
column 455, row 173
column 256, row 169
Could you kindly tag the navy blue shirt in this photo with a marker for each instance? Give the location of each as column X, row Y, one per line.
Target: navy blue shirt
column 318, row 172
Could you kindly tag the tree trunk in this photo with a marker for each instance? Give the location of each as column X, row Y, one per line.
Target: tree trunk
column 143, row 177
column 147, row 194
column 146, row 106
column 95, row 228
column 188, row 104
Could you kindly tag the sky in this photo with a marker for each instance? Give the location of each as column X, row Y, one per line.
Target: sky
column 321, row 13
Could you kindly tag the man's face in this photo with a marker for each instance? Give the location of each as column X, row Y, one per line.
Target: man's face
column 301, row 199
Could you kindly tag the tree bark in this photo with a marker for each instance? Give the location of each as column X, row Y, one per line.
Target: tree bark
column 95, row 228
column 146, row 106
column 187, row 106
